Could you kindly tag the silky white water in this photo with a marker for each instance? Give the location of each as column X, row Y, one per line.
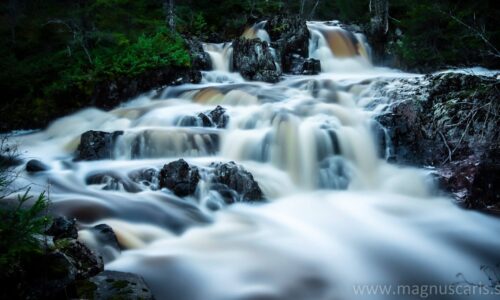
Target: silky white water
column 337, row 214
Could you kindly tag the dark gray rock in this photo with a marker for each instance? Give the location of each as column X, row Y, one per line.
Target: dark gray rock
column 200, row 60
column 86, row 262
column 304, row 66
column 234, row 183
column 113, row 285
column 95, row 145
column 34, row 166
column 254, row 60
column 179, row 177
column 290, row 37
column 63, row 227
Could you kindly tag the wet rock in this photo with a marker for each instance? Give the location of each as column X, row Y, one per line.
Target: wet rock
column 108, row 94
column 254, row 60
column 113, row 285
column 113, row 182
column 179, row 177
column 304, row 66
column 290, row 37
column 215, row 118
column 146, row 177
column 48, row 276
column 449, row 121
column 86, row 262
column 105, row 236
column 234, row 183
column 63, row 227
column 474, row 181
column 200, row 60
column 34, row 166
column 95, row 145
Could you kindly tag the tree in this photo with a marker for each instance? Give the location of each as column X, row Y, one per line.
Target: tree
column 170, row 14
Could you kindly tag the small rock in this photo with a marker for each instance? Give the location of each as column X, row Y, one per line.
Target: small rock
column 179, row 177
column 35, row 165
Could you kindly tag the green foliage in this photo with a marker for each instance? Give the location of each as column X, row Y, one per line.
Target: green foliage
column 445, row 32
column 20, row 230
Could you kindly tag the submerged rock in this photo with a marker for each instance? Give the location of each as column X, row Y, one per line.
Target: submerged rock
column 179, row 177
column 234, row 183
column 113, row 182
column 113, row 285
column 34, row 166
column 95, row 145
column 254, row 60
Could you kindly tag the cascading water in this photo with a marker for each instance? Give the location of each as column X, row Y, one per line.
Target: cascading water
column 338, row 215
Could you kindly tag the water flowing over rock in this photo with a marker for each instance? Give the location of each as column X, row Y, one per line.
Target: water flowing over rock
column 254, row 60
column 200, row 60
column 290, row 36
column 251, row 190
column 179, row 177
column 95, row 145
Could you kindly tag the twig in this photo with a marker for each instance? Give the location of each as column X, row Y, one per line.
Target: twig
column 447, row 147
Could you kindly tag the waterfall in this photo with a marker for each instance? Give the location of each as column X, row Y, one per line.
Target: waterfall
column 336, row 215
column 338, row 49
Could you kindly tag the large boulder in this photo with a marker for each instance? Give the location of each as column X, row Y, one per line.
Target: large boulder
column 179, row 177
column 113, row 285
column 95, row 145
column 234, row 183
column 290, row 37
column 254, row 60
column 449, row 121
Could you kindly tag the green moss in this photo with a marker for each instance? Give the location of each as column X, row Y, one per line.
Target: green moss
column 85, row 289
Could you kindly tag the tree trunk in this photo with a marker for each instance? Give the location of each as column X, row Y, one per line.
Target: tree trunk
column 170, row 14
column 379, row 11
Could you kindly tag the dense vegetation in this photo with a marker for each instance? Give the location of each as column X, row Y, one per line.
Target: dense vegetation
column 55, row 52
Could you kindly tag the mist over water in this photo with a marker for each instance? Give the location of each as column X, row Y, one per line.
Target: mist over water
column 337, row 214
